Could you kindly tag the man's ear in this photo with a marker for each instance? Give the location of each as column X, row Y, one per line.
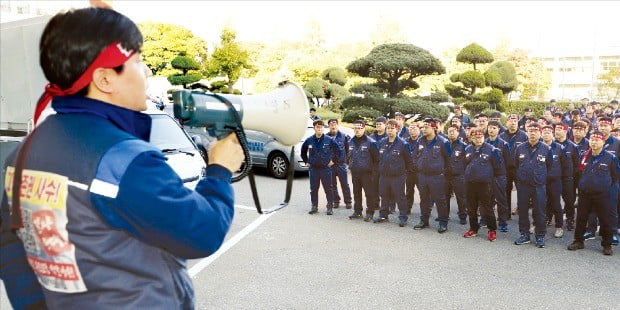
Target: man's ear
column 103, row 80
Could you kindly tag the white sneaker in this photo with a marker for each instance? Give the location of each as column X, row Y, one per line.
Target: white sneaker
column 532, row 229
column 559, row 232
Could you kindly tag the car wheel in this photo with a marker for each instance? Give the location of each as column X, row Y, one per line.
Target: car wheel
column 278, row 165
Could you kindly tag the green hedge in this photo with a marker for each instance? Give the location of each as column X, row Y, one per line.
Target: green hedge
column 405, row 105
column 538, row 107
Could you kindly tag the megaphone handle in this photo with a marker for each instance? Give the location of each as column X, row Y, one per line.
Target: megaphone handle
column 254, row 192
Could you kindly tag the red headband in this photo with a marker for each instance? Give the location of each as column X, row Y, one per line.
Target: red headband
column 604, row 122
column 112, row 56
column 597, row 136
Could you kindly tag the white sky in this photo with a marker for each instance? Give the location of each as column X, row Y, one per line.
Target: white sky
column 545, row 28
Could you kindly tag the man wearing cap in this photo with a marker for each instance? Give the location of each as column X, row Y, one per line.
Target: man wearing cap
column 403, row 131
column 561, row 171
column 455, row 182
column 458, row 113
column 394, row 162
column 483, row 162
column 496, row 116
column 313, row 115
column 339, row 170
column 319, row 152
column 363, row 159
column 533, row 161
column 499, row 178
column 513, row 136
column 433, row 163
column 599, row 170
column 412, row 173
column 568, row 184
column 527, row 112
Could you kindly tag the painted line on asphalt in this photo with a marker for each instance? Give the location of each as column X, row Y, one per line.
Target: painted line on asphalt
column 203, row 263
column 245, row 207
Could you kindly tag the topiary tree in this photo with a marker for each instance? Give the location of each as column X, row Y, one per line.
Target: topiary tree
column 474, row 54
column 502, row 75
column 335, row 75
column 315, row 90
column 471, row 80
column 395, row 66
column 188, row 67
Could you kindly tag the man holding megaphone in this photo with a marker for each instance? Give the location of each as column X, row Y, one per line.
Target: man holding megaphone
column 87, row 193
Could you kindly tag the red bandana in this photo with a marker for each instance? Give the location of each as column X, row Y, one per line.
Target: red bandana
column 112, row 56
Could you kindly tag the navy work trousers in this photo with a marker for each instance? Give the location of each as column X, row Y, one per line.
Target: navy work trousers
column 318, row 176
column 432, row 188
column 537, row 196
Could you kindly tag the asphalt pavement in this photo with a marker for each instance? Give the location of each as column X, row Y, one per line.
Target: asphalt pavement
column 292, row 260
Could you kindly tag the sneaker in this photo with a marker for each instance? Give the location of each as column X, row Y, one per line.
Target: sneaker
column 576, row 245
column 355, row 215
column 482, row 224
column 402, row 222
column 607, row 250
column 570, row 225
column 614, row 240
column 524, row 239
column 380, row 219
column 313, row 210
column 559, row 232
column 492, row 236
column 589, row 236
column 420, row 225
column 368, row 218
column 463, row 221
column 540, row 241
column 470, row 233
column 348, row 206
column 330, row 212
column 532, row 229
column 503, row 227
column 443, row 227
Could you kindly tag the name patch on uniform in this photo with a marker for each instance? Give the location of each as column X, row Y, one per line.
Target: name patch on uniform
column 521, row 155
column 457, row 153
column 542, row 158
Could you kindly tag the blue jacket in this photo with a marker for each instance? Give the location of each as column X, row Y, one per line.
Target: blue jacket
column 533, row 163
column 561, row 165
column 433, row 156
column 394, row 158
column 119, row 222
column 375, row 136
column 413, row 151
column 457, row 158
column 612, row 145
column 570, row 148
column 513, row 140
column 342, row 140
column 599, row 172
column 363, row 154
column 504, row 149
column 318, row 152
column 483, row 163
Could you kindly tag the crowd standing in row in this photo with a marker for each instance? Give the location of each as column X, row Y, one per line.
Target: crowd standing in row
column 561, row 156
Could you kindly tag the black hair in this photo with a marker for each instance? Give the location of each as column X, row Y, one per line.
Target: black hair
column 313, row 109
column 318, row 122
column 495, row 124
column 72, row 40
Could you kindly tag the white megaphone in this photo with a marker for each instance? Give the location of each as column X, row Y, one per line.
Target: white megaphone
column 282, row 113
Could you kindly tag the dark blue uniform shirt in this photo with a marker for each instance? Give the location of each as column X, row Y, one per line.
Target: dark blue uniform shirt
column 363, row 154
column 457, row 158
column 395, row 157
column 433, row 156
column 483, row 163
column 532, row 163
column 320, row 151
column 599, row 172
column 561, row 165
column 342, row 140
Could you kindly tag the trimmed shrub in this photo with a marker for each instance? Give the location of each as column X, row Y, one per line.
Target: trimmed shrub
column 475, row 107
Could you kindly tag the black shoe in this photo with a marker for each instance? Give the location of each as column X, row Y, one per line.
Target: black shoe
column 570, row 224
column 348, row 206
column 402, row 222
column 420, row 225
column 368, row 218
column 443, row 227
column 576, row 245
column 380, row 219
column 335, row 205
column 463, row 221
column 330, row 212
column 607, row 250
column 549, row 222
column 355, row 215
column 313, row 210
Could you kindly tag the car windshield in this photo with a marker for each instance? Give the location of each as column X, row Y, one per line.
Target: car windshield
column 166, row 134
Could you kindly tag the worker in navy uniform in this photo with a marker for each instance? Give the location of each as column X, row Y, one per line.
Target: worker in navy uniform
column 403, row 131
column 468, row 128
column 319, row 152
column 313, row 115
column 458, row 113
column 612, row 145
column 455, row 182
column 496, row 116
column 533, row 161
column 412, row 173
column 339, row 170
column 513, row 137
column 483, row 162
column 440, row 129
column 462, row 133
column 599, row 170
column 527, row 113
column 561, row 171
column 363, row 159
column 482, row 121
column 568, row 184
column 394, row 161
column 433, row 162
column 499, row 179
column 378, row 135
